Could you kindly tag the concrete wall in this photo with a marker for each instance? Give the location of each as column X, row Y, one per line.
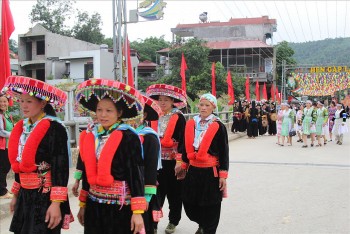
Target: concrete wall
column 239, row 32
column 77, row 68
column 106, row 65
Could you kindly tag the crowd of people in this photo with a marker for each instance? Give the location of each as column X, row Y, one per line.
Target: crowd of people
column 137, row 151
column 305, row 120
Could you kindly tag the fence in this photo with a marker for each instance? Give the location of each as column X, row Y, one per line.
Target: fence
column 74, row 128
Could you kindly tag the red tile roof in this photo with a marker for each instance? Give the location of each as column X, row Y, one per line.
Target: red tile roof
column 232, row 22
column 147, row 63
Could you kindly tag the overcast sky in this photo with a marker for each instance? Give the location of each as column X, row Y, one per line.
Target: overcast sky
column 297, row 21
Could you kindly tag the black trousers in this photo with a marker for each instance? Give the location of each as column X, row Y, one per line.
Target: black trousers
column 4, row 169
column 171, row 188
column 207, row 217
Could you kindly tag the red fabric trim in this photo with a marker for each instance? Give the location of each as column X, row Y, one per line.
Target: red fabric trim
column 142, row 139
column 15, row 188
column 29, row 152
column 83, row 195
column 59, row 194
column 154, row 125
column 223, row 174
column 138, row 203
column 13, row 145
column 28, row 156
column 202, row 154
column 104, row 177
column 100, row 173
column 81, row 140
column 167, row 140
column 189, row 139
column 157, row 215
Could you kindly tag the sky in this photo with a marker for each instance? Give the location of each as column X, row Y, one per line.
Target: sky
column 297, row 21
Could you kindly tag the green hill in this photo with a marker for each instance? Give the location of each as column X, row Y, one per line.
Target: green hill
column 325, row 52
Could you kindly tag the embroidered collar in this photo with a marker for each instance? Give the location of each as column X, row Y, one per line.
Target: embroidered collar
column 100, row 131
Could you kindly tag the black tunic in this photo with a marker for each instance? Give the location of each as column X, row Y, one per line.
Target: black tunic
column 151, row 149
column 127, row 165
column 200, row 187
column 31, row 206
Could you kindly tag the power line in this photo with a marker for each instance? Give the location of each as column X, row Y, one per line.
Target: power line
column 346, row 12
column 217, row 6
column 234, row 2
column 318, row 18
column 327, row 19
column 296, row 37
column 302, row 30
column 307, row 13
column 282, row 21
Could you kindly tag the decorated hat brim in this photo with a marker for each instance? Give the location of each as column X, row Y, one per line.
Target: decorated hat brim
column 156, row 90
column 152, row 109
column 126, row 98
column 18, row 85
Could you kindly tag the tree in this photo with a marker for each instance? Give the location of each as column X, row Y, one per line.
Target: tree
column 88, row 28
column 148, row 47
column 284, row 52
column 108, row 41
column 52, row 14
column 13, row 46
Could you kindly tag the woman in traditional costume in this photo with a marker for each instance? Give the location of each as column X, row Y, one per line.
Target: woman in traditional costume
column 171, row 127
column 112, row 196
column 152, row 159
column 272, row 118
column 6, row 126
column 287, row 123
column 39, row 156
column 206, row 161
column 340, row 127
column 252, row 115
column 321, row 123
column 309, row 120
column 331, row 112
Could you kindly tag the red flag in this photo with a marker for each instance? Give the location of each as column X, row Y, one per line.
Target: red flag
column 213, row 89
column 257, row 91
column 7, row 27
column 130, row 70
column 230, row 90
column 277, row 95
column 183, row 72
column 264, row 92
column 247, row 88
column 272, row 93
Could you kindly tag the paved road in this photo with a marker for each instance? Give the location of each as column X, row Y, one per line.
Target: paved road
column 277, row 190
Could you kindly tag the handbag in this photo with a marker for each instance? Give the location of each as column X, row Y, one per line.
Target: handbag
column 292, row 132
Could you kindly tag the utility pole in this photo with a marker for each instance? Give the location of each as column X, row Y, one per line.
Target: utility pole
column 115, row 58
column 274, row 74
column 283, row 87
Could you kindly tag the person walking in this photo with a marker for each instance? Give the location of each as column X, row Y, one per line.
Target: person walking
column 112, row 195
column 299, row 121
column 6, row 126
column 308, row 121
column 340, row 127
column 321, row 123
column 171, row 128
column 331, row 112
column 39, row 155
column 287, row 123
column 152, row 159
column 206, row 161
